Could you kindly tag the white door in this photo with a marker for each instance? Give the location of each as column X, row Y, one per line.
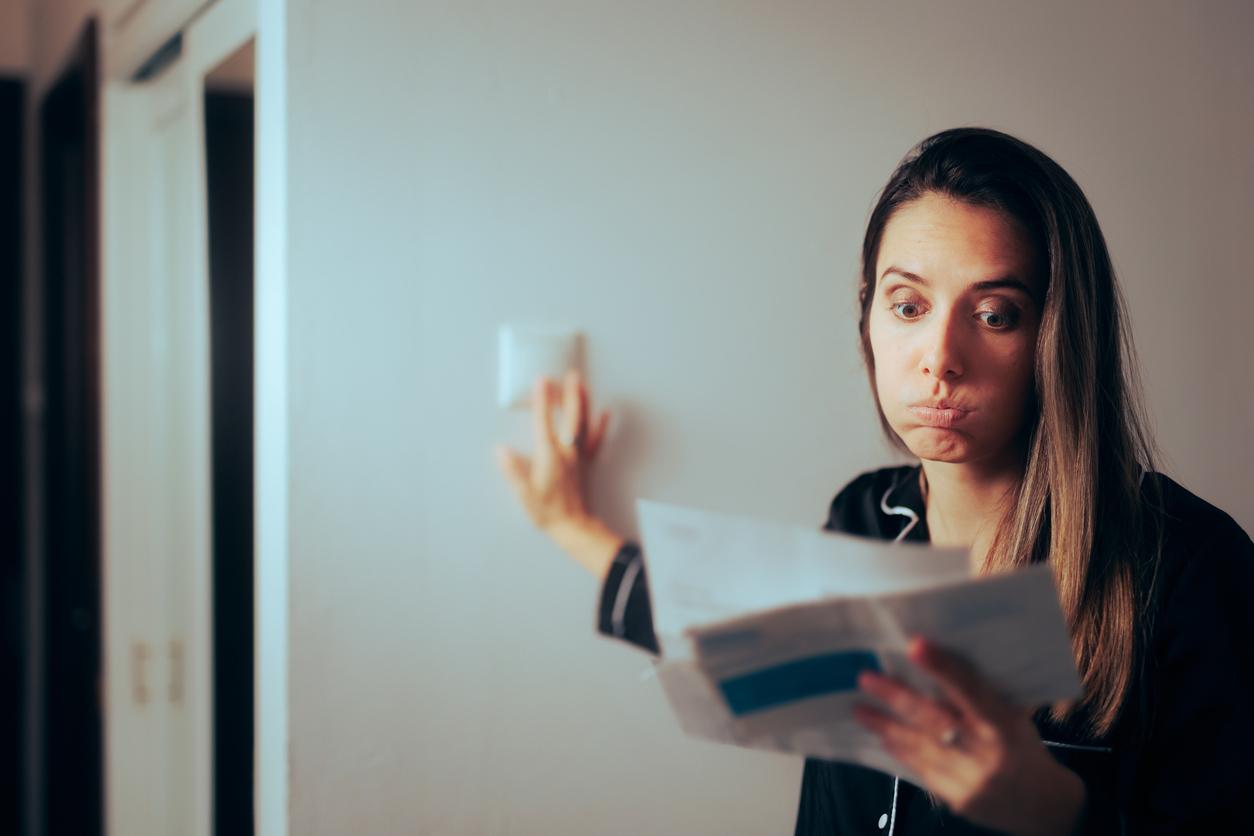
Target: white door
column 157, row 515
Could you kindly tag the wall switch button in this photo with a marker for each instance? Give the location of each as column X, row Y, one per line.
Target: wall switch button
column 528, row 353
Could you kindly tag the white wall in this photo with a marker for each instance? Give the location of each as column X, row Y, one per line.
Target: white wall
column 688, row 184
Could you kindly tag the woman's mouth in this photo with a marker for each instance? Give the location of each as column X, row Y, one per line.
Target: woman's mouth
column 934, row 417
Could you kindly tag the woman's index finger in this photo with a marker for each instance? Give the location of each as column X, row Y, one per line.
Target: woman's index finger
column 541, row 418
column 964, row 687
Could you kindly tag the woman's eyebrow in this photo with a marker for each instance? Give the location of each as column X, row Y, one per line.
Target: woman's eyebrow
column 1009, row 282
column 904, row 274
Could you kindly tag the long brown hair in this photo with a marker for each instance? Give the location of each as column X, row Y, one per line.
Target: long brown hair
column 1082, row 504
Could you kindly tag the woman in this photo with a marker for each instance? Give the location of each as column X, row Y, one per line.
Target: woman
column 993, row 335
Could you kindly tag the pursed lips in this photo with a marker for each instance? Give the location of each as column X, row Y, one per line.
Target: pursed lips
column 939, row 416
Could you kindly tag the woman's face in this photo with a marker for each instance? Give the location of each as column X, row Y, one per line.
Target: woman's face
column 953, row 327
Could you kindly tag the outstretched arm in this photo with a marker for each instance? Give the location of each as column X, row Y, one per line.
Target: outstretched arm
column 551, row 486
column 625, row 612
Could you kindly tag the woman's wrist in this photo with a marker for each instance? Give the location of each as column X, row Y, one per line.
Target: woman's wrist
column 589, row 541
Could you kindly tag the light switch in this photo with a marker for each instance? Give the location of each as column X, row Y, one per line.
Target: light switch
column 528, row 353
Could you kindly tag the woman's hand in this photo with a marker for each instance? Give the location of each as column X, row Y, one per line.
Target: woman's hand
column 551, row 486
column 979, row 753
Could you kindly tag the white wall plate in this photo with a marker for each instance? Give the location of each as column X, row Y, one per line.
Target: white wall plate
column 527, row 353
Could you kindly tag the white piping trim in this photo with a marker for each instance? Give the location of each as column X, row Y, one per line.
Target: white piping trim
column 1078, row 746
column 900, row 511
column 624, row 592
column 892, row 818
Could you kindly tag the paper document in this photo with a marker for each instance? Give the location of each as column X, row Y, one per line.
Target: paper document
column 764, row 627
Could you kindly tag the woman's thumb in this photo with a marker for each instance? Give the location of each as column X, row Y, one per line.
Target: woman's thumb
column 512, row 465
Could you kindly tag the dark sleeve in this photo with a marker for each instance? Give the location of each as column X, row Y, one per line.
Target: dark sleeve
column 624, row 611
column 853, row 506
column 1195, row 773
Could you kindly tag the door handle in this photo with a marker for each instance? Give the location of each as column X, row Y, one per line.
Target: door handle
column 176, row 671
column 140, row 654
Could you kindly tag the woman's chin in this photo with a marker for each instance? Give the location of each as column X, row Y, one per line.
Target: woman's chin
column 940, row 445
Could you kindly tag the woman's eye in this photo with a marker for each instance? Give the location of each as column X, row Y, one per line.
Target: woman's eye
column 999, row 320
column 906, row 310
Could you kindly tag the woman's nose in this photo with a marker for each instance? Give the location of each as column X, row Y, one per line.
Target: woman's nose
column 942, row 357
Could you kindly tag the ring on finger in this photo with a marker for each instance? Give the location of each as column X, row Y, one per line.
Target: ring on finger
column 950, row 736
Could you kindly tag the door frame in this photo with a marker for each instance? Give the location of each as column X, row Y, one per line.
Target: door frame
column 271, row 475
column 133, row 118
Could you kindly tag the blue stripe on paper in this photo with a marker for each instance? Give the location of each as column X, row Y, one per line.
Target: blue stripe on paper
column 799, row 679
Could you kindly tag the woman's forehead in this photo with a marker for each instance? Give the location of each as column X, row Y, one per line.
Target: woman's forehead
column 946, row 242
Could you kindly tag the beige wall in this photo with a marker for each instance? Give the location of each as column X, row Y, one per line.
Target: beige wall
column 56, row 26
column 688, row 184
column 14, row 37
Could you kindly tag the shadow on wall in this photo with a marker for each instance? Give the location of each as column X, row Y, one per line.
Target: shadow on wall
column 632, row 439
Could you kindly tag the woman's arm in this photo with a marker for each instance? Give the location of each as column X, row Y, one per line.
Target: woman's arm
column 590, row 542
column 624, row 611
column 551, row 488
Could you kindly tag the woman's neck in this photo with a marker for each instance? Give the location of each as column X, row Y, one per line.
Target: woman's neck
column 965, row 501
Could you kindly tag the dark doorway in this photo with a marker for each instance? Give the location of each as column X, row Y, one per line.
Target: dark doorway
column 229, row 167
column 12, row 571
column 70, row 652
